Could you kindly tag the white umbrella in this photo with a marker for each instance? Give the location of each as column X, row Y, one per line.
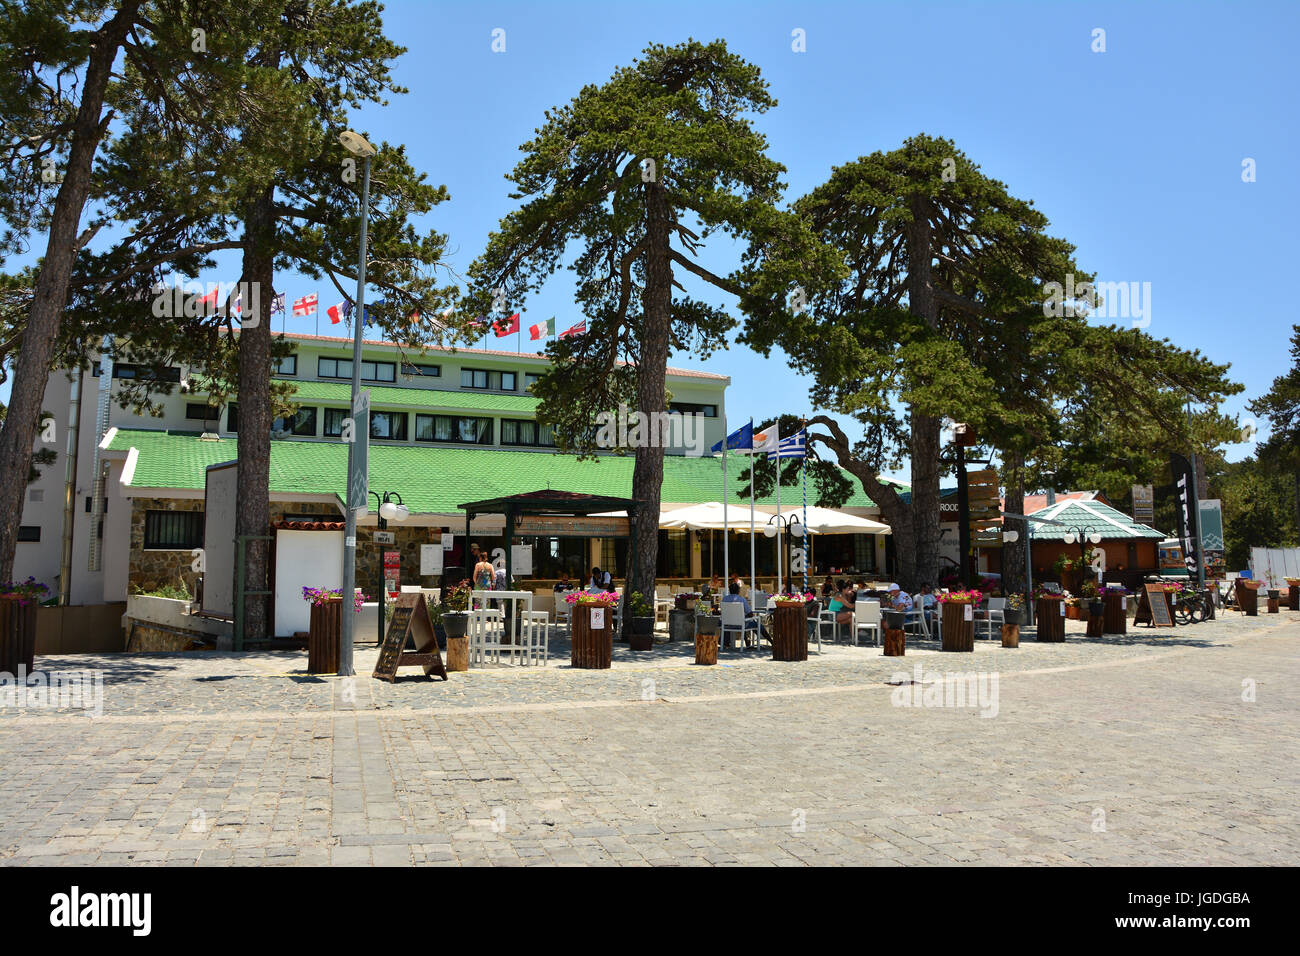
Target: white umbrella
column 709, row 517
column 830, row 521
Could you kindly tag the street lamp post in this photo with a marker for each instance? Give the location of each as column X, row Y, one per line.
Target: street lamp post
column 398, row 512
column 775, row 524
column 357, row 479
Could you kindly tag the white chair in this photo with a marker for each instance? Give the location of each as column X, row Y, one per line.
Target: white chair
column 484, row 632
column 826, row 618
column 563, row 612
column 916, row 616
column 536, row 637
column 735, row 622
column 663, row 603
column 866, row 617
column 996, row 614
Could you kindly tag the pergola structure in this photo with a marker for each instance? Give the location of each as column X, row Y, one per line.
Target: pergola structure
column 548, row 502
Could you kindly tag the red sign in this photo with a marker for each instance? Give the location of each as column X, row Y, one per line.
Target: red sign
column 392, row 571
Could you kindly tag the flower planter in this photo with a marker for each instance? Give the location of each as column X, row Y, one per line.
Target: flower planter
column 1051, row 623
column 1071, row 612
column 1248, row 597
column 708, row 624
column 681, row 625
column 958, row 633
column 642, row 635
column 17, row 634
column 1013, row 616
column 895, row 620
column 325, row 636
column 1096, row 618
column 1115, row 613
column 789, row 632
column 592, row 648
column 1293, row 594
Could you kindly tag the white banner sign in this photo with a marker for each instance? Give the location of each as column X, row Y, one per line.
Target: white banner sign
column 430, row 559
column 448, row 542
column 521, row 559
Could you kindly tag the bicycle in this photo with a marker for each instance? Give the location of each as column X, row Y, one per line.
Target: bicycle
column 1193, row 606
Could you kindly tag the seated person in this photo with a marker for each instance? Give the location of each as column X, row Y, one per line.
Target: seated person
column 733, row 596
column 564, row 584
column 842, row 603
column 600, row 581
column 713, row 587
column 899, row 600
column 828, row 587
column 928, row 602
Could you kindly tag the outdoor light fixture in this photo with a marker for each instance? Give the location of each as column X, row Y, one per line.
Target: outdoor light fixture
column 769, row 531
column 393, row 511
column 356, row 144
column 1095, row 538
column 1070, row 537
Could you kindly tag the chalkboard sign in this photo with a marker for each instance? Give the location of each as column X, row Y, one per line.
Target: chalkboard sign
column 1153, row 608
column 409, row 618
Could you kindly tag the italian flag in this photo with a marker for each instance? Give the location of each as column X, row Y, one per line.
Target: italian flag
column 542, row 330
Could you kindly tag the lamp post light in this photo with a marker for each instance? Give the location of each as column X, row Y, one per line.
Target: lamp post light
column 396, row 511
column 773, row 530
column 357, row 498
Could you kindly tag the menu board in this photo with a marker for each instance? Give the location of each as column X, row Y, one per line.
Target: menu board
column 409, row 618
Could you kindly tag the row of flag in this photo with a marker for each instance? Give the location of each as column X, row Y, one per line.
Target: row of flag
column 766, row 442
column 308, row 304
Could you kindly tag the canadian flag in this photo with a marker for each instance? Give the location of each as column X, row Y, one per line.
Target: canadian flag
column 305, row 306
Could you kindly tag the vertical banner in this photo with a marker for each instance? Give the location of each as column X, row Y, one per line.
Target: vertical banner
column 1185, row 512
column 392, row 571
column 1213, row 549
column 1144, row 501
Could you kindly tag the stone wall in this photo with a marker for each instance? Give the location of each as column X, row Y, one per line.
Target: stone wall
column 154, row 569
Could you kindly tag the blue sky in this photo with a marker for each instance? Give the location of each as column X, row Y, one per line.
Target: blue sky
column 1134, row 154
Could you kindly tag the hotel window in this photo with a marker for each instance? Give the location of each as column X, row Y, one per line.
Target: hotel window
column 691, row 408
column 303, row 423
column 452, row 428
column 421, row 371
column 201, row 411
column 90, row 501
column 370, row 371
column 173, row 530
column 530, row 379
column 29, row 532
column 390, row 426
column 286, row 365
column 487, row 379
column 526, row 433
column 171, row 373
column 334, row 421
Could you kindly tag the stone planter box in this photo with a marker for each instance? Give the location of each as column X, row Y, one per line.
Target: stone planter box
column 681, row 625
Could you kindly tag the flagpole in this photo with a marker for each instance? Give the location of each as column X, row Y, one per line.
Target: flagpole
column 752, row 475
column 777, row 426
column 726, row 562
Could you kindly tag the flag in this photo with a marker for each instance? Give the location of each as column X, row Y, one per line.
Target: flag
column 542, row 329
column 792, row 446
column 338, row 313
column 578, row 329
column 765, row 442
column 305, row 306
column 506, row 327
column 209, row 299
column 739, row 440
column 277, row 304
column 239, row 300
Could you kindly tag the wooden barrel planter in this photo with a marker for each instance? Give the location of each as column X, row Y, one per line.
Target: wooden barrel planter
column 1272, row 603
column 1010, row 635
column 1096, row 618
column 1247, row 598
column 895, row 643
column 325, row 637
column 707, row 627
column 592, row 648
column 1051, row 623
column 958, row 633
column 456, row 624
column 790, row 633
column 17, row 634
column 1115, row 617
column 1293, row 594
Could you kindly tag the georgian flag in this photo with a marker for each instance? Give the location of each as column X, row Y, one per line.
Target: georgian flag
column 305, row 306
column 578, row 329
column 209, row 299
column 792, row 446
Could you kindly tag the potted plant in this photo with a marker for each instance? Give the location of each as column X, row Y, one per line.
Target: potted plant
column 685, row 600
column 707, row 622
column 453, row 609
column 641, row 615
column 957, row 610
column 591, row 646
column 18, row 603
column 1013, row 612
column 681, row 619
column 1092, row 594
column 325, row 630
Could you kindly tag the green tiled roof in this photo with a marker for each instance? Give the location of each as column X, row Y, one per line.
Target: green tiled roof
column 1088, row 516
column 431, row 478
column 390, row 395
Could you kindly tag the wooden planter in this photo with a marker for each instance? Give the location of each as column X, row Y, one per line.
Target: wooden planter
column 325, row 637
column 17, row 634
column 790, row 633
column 1115, row 617
column 1247, row 598
column 958, row 633
column 1293, row 596
column 1097, row 620
column 1072, row 612
column 1051, row 624
column 895, row 643
column 591, row 648
column 1010, row 635
column 456, row 624
column 706, row 647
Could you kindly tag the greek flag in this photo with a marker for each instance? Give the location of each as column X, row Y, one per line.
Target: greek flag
column 792, row 446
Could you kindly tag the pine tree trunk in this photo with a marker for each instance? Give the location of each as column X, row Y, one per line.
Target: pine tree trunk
column 252, row 497
column 648, row 471
column 925, row 428
column 50, row 295
column 1013, row 553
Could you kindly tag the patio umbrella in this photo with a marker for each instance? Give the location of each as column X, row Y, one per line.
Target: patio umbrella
column 830, row 521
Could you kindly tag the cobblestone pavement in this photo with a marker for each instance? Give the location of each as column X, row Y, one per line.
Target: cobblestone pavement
column 1125, row 750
